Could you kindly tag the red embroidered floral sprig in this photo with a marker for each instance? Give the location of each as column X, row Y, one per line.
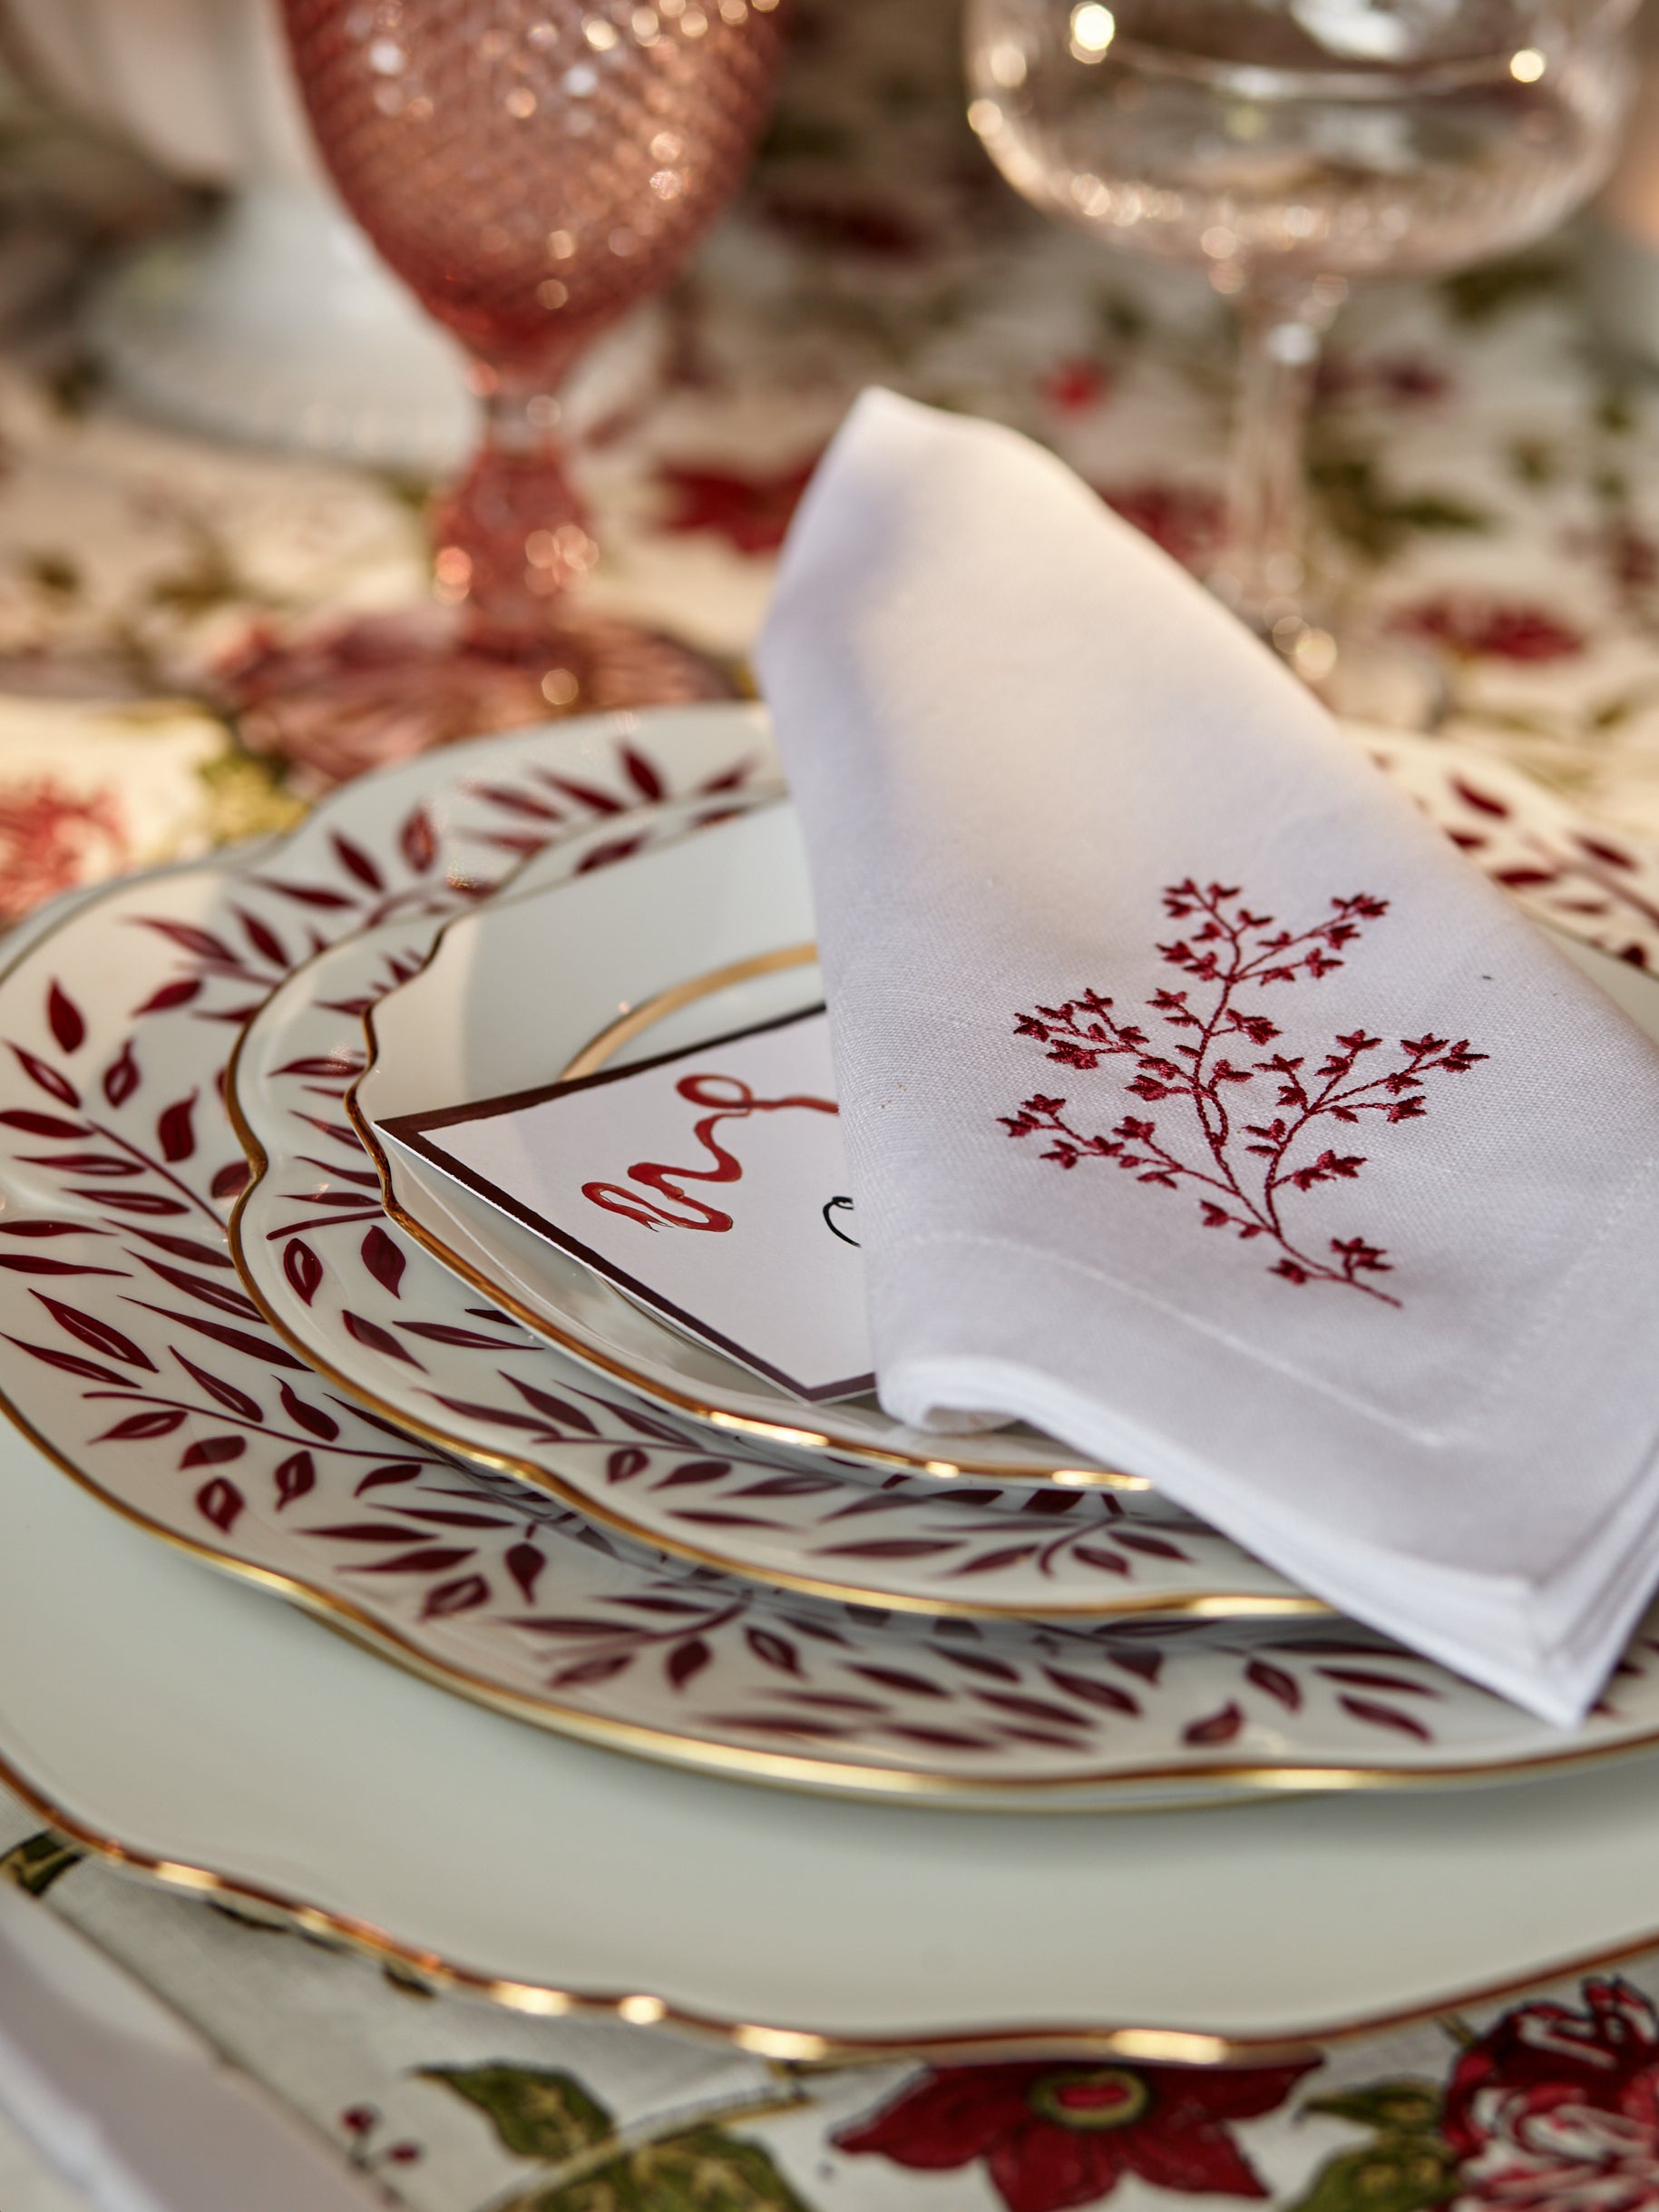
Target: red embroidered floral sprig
column 1231, row 953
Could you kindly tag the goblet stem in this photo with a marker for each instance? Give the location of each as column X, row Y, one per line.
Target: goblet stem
column 1262, row 570
column 512, row 535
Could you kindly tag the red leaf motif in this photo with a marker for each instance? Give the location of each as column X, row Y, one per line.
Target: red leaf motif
column 693, row 1472
column 230, row 1180
column 775, row 1651
column 556, row 1409
column 377, row 1339
column 524, row 1563
column 54, row 1085
column 175, row 1131
column 417, row 842
column 219, row 1296
column 305, row 895
column 1157, row 1547
column 687, row 1659
column 468, row 1339
column 460, row 1595
column 1107, row 1562
column 310, row 1417
column 431, row 1559
column 1219, row 1727
column 1385, row 1717
column 37, row 1263
column 1086, row 1688
column 49, row 1228
column 170, row 995
column 99, row 1336
column 641, row 773
column 383, row 1259
column 1600, row 849
column 52, row 1125
column 623, row 1465
column 226, row 1394
column 1482, row 801
column 201, row 942
column 302, row 1267
column 88, row 1370
column 155, row 1421
column 135, row 1202
column 1276, row 1682
column 295, row 1476
column 221, row 1502
column 121, row 1078
column 263, row 938
column 587, row 1672
column 356, row 862
column 265, row 1349
column 378, row 1477
column 213, row 1451
column 64, row 1019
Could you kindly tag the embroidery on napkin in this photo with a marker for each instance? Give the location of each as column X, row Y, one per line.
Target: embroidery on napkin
column 1231, row 951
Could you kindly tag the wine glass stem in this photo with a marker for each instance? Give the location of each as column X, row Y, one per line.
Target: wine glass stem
column 1263, row 567
column 512, row 533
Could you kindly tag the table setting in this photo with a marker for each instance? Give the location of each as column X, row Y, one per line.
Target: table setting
column 911, row 1174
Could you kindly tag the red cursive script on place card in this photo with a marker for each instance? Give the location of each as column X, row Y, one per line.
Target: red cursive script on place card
column 1229, row 955
column 729, row 1100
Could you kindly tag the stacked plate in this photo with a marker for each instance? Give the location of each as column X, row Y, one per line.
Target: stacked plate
column 238, row 1310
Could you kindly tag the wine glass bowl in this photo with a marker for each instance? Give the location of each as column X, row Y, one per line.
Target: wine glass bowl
column 1285, row 146
column 531, row 169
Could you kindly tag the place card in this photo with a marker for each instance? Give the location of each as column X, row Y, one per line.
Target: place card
column 708, row 1184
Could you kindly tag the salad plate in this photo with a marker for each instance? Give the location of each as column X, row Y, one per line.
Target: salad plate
column 211, row 1738
column 369, row 1306
column 130, row 1353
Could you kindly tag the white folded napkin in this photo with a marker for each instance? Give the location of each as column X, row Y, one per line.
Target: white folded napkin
column 1203, row 1107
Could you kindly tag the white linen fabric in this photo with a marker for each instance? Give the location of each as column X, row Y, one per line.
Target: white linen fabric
column 1203, row 1107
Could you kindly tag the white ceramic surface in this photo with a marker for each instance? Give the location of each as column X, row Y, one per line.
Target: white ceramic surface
column 127, row 1349
column 747, row 1507
column 156, row 1711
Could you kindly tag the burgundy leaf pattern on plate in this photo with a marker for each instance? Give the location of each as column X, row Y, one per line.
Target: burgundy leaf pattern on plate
column 230, row 1441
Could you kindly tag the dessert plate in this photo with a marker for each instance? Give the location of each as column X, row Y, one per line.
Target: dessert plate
column 698, row 939
column 193, row 1731
column 128, row 1351
column 365, row 1302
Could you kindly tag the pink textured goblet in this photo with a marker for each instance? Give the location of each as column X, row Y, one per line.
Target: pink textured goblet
column 531, row 169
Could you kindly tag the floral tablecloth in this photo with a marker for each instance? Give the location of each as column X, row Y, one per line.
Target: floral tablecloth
column 1486, row 481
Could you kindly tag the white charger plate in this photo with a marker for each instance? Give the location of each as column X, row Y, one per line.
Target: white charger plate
column 369, row 1305
column 211, row 1739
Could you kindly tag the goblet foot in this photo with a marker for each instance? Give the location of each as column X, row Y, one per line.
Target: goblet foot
column 345, row 699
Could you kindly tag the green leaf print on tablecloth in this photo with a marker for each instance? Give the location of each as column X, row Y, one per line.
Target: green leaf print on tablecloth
column 676, row 2163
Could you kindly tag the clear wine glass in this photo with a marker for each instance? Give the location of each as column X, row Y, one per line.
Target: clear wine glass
column 531, row 169
column 1286, row 147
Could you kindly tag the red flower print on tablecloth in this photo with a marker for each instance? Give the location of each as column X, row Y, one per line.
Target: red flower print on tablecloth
column 50, row 839
column 1053, row 2135
column 1475, row 628
column 1231, row 955
column 1556, row 2109
column 751, row 511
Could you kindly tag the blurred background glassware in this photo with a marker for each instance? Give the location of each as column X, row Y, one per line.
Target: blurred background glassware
column 1285, row 146
column 531, row 169
column 272, row 322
